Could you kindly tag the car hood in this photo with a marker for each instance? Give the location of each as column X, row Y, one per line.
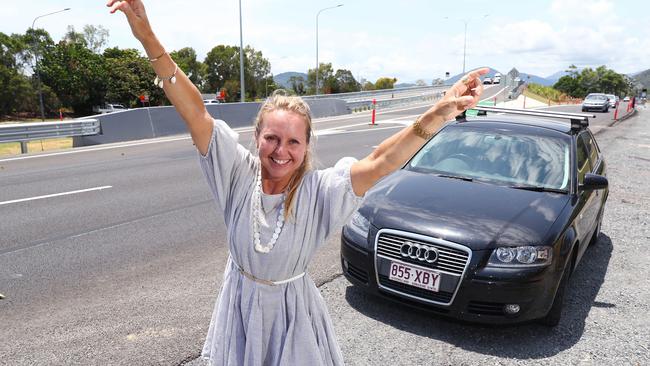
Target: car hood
column 478, row 215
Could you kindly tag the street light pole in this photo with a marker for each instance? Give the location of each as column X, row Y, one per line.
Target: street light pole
column 466, row 22
column 465, row 45
column 38, row 75
column 317, row 14
column 242, row 90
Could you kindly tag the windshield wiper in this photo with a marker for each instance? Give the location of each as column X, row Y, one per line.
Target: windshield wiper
column 467, row 179
column 539, row 189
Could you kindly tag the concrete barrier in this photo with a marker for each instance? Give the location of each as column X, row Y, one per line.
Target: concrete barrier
column 144, row 123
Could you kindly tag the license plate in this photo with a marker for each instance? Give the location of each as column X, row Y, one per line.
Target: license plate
column 422, row 278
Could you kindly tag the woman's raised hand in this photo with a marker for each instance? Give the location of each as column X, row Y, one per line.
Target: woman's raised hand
column 463, row 95
column 135, row 14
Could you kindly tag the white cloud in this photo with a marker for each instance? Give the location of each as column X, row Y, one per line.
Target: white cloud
column 378, row 38
column 580, row 11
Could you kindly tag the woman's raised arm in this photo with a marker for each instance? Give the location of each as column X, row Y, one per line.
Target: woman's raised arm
column 178, row 87
column 393, row 152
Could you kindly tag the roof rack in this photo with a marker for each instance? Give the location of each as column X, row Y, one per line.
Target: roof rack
column 578, row 120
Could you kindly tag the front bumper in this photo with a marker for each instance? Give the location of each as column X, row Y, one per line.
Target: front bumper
column 601, row 108
column 480, row 297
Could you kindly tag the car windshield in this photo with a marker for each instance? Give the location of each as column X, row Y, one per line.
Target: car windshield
column 596, row 97
column 499, row 157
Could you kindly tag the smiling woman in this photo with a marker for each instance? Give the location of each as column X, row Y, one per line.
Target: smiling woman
column 278, row 211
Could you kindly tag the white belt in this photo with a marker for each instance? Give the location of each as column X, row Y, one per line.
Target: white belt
column 263, row 281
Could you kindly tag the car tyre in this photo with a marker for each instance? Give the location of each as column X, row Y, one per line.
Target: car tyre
column 554, row 315
column 594, row 237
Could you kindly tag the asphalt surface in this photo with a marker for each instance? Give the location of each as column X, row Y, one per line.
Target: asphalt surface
column 129, row 274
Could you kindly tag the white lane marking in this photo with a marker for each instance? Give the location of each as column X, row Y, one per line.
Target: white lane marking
column 331, row 131
column 335, row 132
column 55, row 195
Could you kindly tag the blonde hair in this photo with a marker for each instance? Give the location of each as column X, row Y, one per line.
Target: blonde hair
column 279, row 100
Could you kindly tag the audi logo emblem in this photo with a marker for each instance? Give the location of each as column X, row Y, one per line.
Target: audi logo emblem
column 423, row 253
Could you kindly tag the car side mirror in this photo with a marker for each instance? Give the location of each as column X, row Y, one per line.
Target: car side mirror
column 593, row 182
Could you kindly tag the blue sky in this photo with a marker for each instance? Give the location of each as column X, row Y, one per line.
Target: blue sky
column 409, row 39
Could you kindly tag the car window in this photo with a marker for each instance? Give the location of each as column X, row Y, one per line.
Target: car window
column 592, row 148
column 596, row 97
column 496, row 156
column 582, row 158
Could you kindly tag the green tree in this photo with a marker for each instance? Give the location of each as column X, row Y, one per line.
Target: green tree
column 128, row 76
column 257, row 73
column 437, row 82
column 568, row 85
column 75, row 74
column 368, row 85
column 16, row 91
column 195, row 70
column 385, row 83
column 345, row 82
column 326, row 79
column 298, row 85
column 35, row 43
column 96, row 37
column 601, row 80
column 222, row 65
column 72, row 36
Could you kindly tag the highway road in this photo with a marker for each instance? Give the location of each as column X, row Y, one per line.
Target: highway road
column 113, row 254
column 123, row 265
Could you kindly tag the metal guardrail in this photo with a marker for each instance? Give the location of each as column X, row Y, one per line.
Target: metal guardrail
column 23, row 132
column 384, row 103
column 369, row 94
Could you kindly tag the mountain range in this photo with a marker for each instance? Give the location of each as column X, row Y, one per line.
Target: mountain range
column 643, row 77
column 283, row 78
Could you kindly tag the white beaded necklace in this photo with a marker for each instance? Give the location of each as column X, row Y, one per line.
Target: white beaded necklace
column 257, row 211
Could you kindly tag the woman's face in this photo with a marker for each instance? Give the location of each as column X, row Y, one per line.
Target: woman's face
column 282, row 144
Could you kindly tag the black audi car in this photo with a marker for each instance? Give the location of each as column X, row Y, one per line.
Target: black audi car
column 486, row 222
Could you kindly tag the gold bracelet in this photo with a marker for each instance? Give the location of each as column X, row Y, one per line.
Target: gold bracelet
column 419, row 131
column 158, row 58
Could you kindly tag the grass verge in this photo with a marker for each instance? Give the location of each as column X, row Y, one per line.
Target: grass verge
column 13, row 148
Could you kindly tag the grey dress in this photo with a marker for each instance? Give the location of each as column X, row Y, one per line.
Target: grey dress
column 255, row 323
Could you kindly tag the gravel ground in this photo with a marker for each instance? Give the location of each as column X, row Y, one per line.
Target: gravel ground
column 605, row 320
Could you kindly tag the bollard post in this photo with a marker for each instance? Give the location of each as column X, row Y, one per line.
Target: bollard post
column 524, row 101
column 374, row 107
column 495, row 101
column 61, row 114
column 616, row 113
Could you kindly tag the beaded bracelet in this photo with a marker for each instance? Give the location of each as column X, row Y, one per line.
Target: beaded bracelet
column 159, row 81
column 419, row 131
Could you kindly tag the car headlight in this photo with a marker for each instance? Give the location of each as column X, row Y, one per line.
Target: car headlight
column 521, row 256
column 358, row 225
